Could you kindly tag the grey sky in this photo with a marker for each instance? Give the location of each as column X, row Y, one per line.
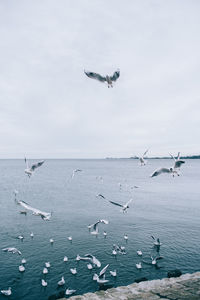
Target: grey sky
column 49, row 108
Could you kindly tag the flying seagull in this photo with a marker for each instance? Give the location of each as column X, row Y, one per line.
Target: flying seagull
column 94, row 260
column 29, row 170
column 173, row 170
column 36, row 212
column 108, row 79
column 124, row 206
column 156, row 241
column 12, row 250
column 95, row 226
column 142, row 160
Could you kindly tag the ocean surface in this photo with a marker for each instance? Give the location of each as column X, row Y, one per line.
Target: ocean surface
column 166, row 207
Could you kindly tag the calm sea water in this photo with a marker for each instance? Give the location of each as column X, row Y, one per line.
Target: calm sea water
column 166, row 207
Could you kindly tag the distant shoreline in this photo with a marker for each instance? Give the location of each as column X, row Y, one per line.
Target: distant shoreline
column 164, row 157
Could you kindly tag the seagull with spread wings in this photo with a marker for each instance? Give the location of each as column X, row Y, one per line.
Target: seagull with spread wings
column 107, row 78
column 95, row 226
column 44, row 215
column 123, row 206
column 173, row 170
column 29, row 170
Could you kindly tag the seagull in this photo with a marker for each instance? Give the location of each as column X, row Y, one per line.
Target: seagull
column 75, row 171
column 12, row 250
column 103, row 271
column 154, row 260
column 139, row 265
column 23, row 261
column 114, row 252
column 156, row 241
column 173, row 170
column 45, row 271
column 73, row 271
column 31, row 235
column 142, row 160
column 124, row 207
column 96, row 231
column 47, row 264
column 108, row 79
column 7, row 292
column 99, row 280
column 21, row 268
column 20, row 237
column 70, row 292
column 89, row 266
column 101, row 196
column 105, row 234
column 29, row 170
column 94, row 260
column 62, row 281
column 139, row 253
column 126, row 237
column 70, row 238
column 44, row 283
column 65, row 258
column 51, row 241
column 36, row 212
column 113, row 273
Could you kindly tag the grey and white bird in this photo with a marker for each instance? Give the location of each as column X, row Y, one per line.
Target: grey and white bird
column 73, row 271
column 142, row 159
column 62, row 281
column 44, row 283
column 46, row 216
column 70, row 292
column 74, row 172
column 105, row 79
column 113, row 273
column 94, row 260
column 7, row 292
column 30, row 170
column 101, row 281
column 139, row 265
column 45, row 271
column 139, row 252
column 21, row 268
column 47, row 264
column 12, row 250
column 156, row 241
column 173, row 170
column 123, row 206
column 95, row 226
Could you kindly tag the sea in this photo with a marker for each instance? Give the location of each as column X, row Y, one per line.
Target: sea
column 166, row 207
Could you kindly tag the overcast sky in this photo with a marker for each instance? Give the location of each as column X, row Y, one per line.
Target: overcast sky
column 50, row 109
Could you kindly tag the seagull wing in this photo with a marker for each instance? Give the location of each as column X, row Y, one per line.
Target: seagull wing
column 178, row 164
column 178, row 156
column 26, row 162
column 95, row 76
column 128, row 202
column 172, row 157
column 115, row 203
column 160, row 171
column 35, row 166
column 145, row 152
column 115, row 76
column 103, row 271
column 104, row 221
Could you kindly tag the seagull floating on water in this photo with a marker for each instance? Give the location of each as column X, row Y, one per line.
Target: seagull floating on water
column 20, row 237
column 126, row 237
column 139, row 253
column 21, row 268
column 65, row 258
column 73, row 271
column 113, row 273
column 89, row 266
column 12, row 250
column 47, row 264
column 44, row 283
column 108, row 79
column 29, row 170
column 105, row 234
column 23, row 261
column 139, row 265
column 45, row 271
column 31, row 234
column 7, row 292
column 70, row 292
column 51, row 241
column 70, row 238
column 62, row 281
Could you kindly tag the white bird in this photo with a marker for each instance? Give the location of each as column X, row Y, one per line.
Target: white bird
column 65, row 258
column 142, row 160
column 47, row 264
column 139, row 265
column 36, row 212
column 45, row 271
column 101, row 281
column 105, row 234
column 12, row 250
column 123, row 206
column 73, row 271
column 21, row 268
column 173, row 170
column 70, row 292
column 108, row 79
column 89, row 266
column 20, row 237
column 103, row 271
column 125, row 237
column 7, row 292
column 113, row 273
column 23, row 261
column 94, row 260
column 70, row 238
column 154, row 260
column 114, row 252
column 62, row 281
column 139, row 253
column 44, row 283
column 51, row 241
column 31, row 234
column 74, row 172
column 156, row 241
column 29, row 170
column 95, row 226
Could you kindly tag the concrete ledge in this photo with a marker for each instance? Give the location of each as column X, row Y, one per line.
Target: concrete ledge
column 185, row 287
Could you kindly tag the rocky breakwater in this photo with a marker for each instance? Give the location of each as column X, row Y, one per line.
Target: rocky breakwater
column 185, row 287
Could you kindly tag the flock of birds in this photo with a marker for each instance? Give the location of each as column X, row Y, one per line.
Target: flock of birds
column 93, row 228
column 91, row 260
